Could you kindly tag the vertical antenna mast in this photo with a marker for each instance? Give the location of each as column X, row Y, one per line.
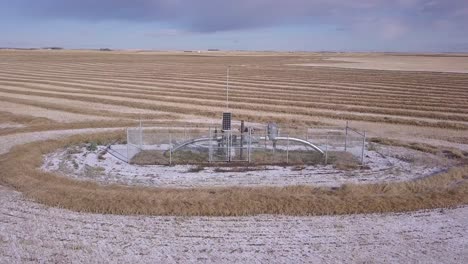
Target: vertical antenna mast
column 227, row 88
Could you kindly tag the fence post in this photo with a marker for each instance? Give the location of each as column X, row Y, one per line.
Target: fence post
column 227, row 146
column 250, row 144
column 230, row 147
column 170, row 148
column 326, row 150
column 210, row 147
column 128, row 144
column 141, row 137
column 287, row 152
column 346, row 137
column 242, row 141
column 363, row 148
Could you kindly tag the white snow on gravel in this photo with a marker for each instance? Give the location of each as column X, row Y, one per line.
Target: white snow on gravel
column 79, row 163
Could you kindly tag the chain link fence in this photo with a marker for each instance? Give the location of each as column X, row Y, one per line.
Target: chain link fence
column 257, row 145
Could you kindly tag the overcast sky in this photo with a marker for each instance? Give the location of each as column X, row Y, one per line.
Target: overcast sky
column 310, row 25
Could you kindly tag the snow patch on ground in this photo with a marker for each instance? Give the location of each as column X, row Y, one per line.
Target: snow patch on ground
column 398, row 164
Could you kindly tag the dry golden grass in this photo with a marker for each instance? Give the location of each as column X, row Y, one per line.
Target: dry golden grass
column 20, row 171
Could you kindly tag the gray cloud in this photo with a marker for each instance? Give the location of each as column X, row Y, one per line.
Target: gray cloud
column 218, row 15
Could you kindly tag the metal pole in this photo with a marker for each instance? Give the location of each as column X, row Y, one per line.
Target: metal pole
column 128, row 144
column 227, row 88
column 363, row 148
column 230, row 146
column 250, row 144
column 226, row 146
column 170, row 148
column 242, row 140
column 346, row 137
column 287, row 152
column 326, row 150
column 210, row 150
column 141, row 136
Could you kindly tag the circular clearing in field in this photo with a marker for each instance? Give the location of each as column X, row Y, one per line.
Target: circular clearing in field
column 383, row 164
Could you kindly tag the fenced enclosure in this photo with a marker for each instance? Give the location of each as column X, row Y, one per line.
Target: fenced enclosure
column 266, row 145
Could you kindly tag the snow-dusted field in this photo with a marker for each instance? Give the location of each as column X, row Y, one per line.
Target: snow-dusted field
column 32, row 233
column 396, row 165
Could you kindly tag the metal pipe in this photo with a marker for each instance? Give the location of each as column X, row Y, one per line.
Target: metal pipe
column 128, row 144
column 300, row 141
column 170, row 148
column 242, row 140
column 346, row 137
column 326, row 151
column 363, row 148
column 197, row 140
column 227, row 88
column 141, row 136
column 250, row 144
column 210, row 150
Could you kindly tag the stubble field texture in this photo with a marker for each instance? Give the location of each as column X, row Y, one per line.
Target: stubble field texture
column 53, row 99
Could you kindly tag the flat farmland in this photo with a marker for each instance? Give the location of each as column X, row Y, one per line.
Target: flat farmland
column 416, row 102
column 262, row 87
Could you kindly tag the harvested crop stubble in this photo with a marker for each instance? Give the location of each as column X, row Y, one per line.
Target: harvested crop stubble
column 20, row 171
column 51, row 126
column 80, row 110
column 194, row 85
column 22, row 119
column 185, row 108
column 64, row 126
column 313, row 91
column 245, row 102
